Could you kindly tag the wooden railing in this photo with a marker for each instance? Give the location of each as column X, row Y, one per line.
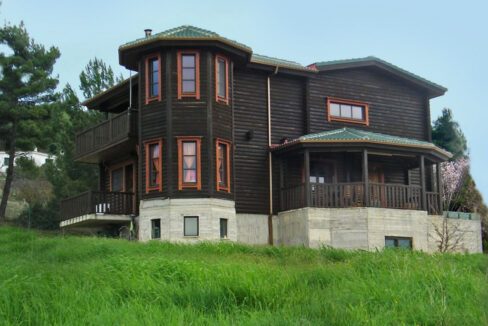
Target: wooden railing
column 394, row 196
column 105, row 133
column 98, row 202
column 342, row 195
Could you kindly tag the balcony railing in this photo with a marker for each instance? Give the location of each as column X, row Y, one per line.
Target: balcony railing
column 108, row 132
column 343, row 195
column 98, row 202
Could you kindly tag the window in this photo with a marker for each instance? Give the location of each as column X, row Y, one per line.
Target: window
column 6, row 160
column 188, row 74
column 221, row 79
column 156, row 229
column 322, row 172
column 117, row 180
column 398, row 242
column 189, row 167
column 347, row 111
column 190, row 226
column 222, row 165
column 154, row 165
column 223, row 228
column 153, row 78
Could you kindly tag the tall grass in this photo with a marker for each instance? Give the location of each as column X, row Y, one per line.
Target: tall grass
column 54, row 280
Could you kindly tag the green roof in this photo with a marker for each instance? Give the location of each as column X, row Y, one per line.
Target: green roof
column 265, row 60
column 185, row 32
column 373, row 59
column 350, row 135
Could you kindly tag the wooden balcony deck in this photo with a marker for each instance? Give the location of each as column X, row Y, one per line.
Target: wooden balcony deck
column 111, row 132
column 98, row 202
column 344, row 195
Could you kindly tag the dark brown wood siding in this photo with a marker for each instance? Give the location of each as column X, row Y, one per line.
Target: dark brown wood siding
column 394, row 107
column 251, row 155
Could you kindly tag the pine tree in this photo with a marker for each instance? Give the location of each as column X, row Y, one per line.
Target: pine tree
column 96, row 78
column 26, row 90
column 447, row 134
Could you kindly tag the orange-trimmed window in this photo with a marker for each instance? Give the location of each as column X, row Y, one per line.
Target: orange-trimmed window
column 347, row 111
column 221, row 79
column 188, row 74
column 153, row 78
column 154, row 165
column 189, row 164
column 222, row 153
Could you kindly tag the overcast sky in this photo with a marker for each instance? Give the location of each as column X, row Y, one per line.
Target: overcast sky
column 444, row 42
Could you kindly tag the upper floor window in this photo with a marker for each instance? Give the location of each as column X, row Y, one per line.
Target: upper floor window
column 223, row 165
column 347, row 111
column 188, row 74
column 154, row 165
column 153, row 78
column 189, row 164
column 117, row 179
column 221, row 79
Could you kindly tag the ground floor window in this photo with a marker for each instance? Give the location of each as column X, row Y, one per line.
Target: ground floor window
column 190, row 227
column 223, row 228
column 398, row 242
column 156, row 229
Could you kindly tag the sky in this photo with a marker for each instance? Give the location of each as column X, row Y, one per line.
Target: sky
column 443, row 41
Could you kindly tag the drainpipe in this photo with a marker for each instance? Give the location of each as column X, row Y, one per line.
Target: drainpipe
column 270, row 161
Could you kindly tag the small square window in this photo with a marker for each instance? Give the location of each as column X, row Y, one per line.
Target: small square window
column 398, row 242
column 223, row 228
column 190, row 226
column 156, row 229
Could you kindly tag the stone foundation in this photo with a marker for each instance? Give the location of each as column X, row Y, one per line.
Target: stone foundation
column 366, row 228
column 172, row 213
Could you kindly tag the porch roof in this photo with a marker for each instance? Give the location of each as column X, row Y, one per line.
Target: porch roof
column 356, row 136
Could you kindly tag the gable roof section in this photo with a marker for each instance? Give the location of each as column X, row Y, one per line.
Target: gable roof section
column 433, row 89
column 351, row 135
column 185, row 33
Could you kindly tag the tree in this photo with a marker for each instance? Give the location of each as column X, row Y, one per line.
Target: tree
column 447, row 134
column 454, row 174
column 96, row 78
column 26, row 90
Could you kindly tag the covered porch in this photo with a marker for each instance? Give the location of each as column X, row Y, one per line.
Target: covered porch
column 354, row 168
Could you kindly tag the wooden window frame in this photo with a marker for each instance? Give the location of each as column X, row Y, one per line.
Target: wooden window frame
column 218, row 142
column 147, row 145
column 218, row 98
column 182, row 185
column 196, row 94
column 148, row 91
column 123, row 165
column 348, row 102
column 184, row 226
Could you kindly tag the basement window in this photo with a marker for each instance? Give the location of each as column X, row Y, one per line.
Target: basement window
column 223, row 228
column 191, row 226
column 156, row 229
column 398, row 242
column 347, row 111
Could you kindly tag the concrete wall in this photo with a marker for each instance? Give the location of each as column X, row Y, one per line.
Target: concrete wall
column 366, row 228
column 172, row 213
column 252, row 228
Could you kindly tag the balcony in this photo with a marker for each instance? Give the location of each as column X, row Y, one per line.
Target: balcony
column 344, row 195
column 98, row 207
column 107, row 138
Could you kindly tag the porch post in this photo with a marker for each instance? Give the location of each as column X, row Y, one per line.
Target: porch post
column 281, row 183
column 306, row 165
column 365, row 177
column 439, row 186
column 423, row 199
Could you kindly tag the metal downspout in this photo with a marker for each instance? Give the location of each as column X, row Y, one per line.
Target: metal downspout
column 270, row 161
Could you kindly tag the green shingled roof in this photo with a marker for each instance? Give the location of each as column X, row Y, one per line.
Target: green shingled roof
column 350, row 135
column 265, row 60
column 373, row 59
column 185, row 32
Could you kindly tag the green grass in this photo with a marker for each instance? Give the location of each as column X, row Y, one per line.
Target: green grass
column 55, row 280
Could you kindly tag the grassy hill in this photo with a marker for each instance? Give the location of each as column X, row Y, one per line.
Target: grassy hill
column 47, row 280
